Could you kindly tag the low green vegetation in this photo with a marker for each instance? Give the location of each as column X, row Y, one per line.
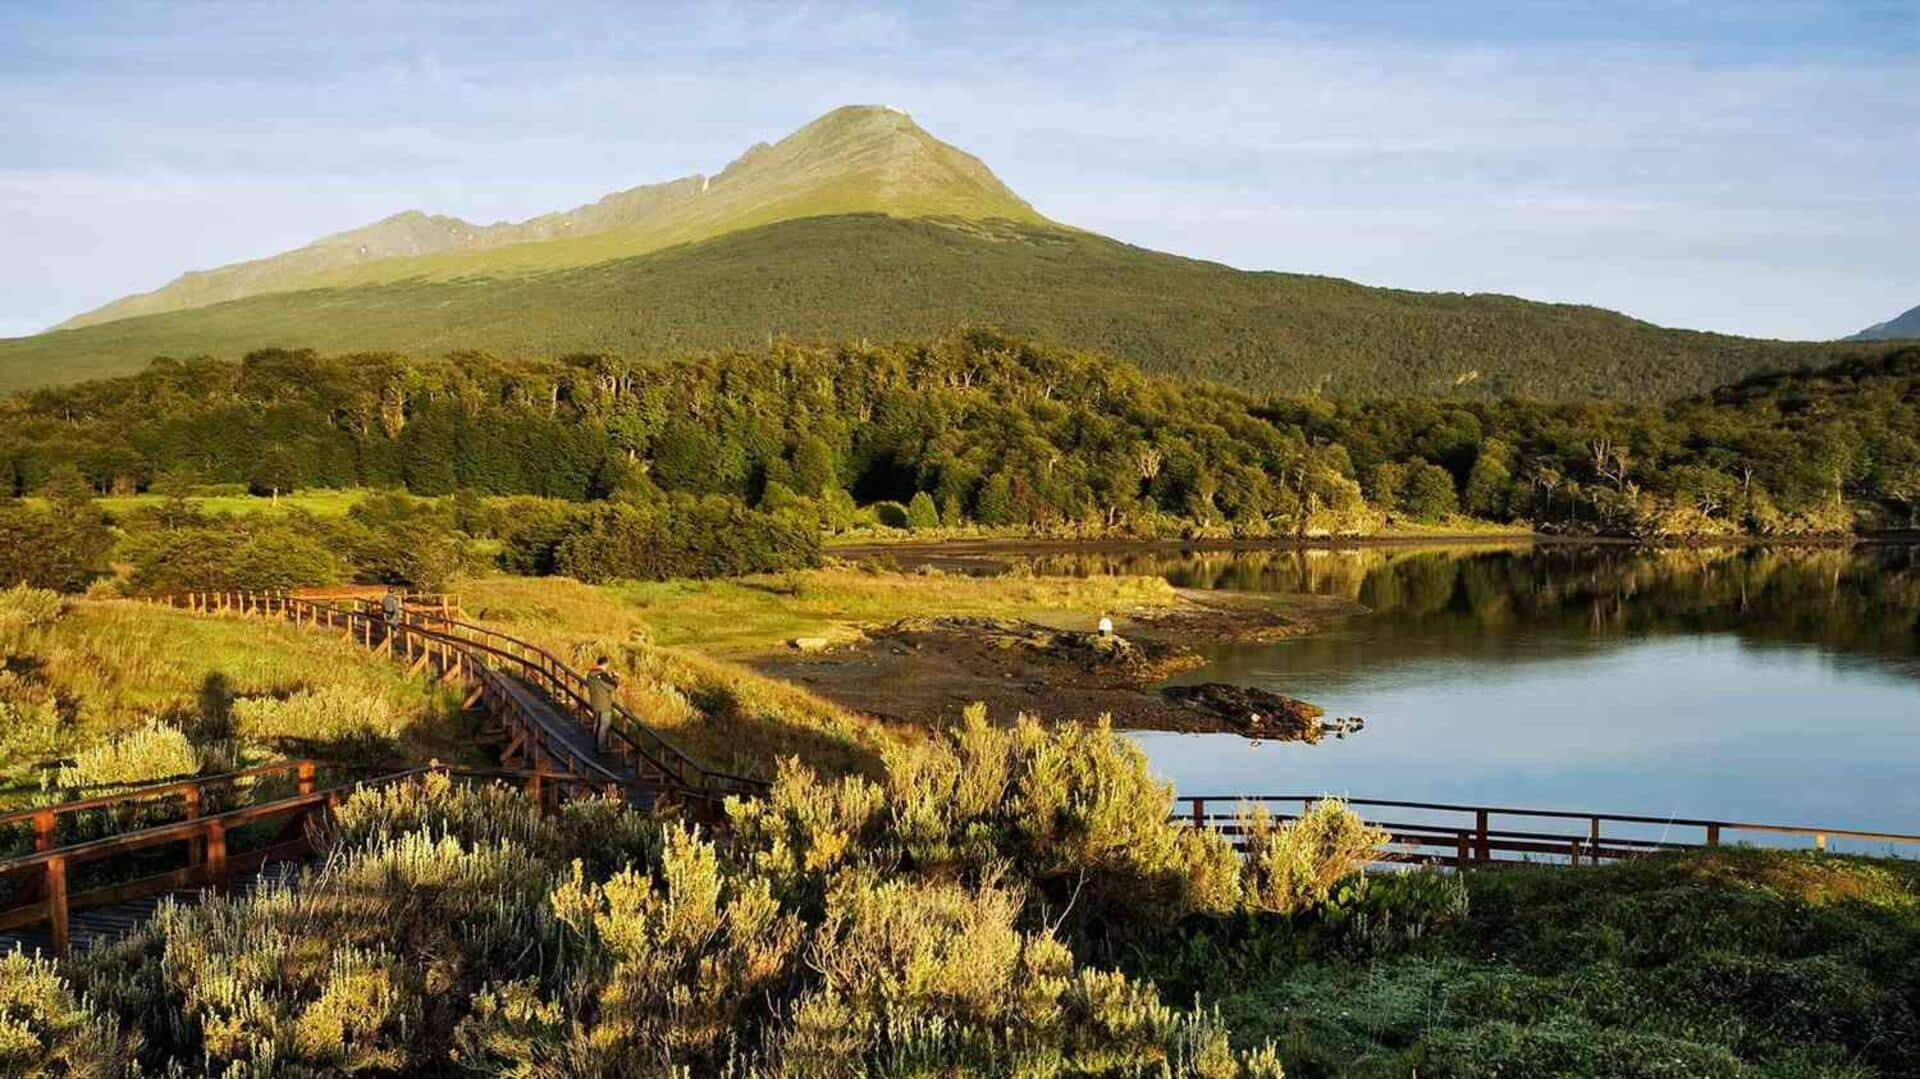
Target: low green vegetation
column 1733, row 963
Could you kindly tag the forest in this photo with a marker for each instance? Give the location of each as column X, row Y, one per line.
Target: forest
column 599, row 468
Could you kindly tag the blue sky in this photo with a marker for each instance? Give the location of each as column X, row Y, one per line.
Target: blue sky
column 1750, row 167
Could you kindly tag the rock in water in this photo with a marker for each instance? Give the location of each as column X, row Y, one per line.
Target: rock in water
column 1255, row 713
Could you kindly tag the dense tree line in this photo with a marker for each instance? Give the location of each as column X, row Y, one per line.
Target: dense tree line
column 975, row 428
column 989, row 430
column 1803, row 452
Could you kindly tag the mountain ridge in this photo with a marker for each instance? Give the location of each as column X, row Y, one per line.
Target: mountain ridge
column 858, row 158
column 1904, row 326
column 852, row 277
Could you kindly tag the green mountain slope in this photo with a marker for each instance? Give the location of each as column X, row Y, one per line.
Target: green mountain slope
column 858, row 159
column 1906, row 326
column 882, row 277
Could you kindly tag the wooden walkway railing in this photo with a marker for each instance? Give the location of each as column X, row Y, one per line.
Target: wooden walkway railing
column 541, row 702
column 1468, row 835
column 200, row 855
column 427, row 635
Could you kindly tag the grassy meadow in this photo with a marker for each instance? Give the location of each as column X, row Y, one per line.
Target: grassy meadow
column 749, row 615
column 321, row 502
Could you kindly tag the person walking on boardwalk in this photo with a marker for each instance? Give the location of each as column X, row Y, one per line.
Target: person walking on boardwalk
column 390, row 612
column 601, row 682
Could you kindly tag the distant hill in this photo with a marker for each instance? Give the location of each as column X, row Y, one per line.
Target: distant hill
column 1907, row 326
column 863, row 225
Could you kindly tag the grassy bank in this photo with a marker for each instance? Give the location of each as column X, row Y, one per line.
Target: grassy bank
column 94, row 674
column 321, row 502
column 748, row 615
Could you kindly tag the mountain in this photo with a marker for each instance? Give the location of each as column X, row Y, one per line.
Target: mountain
column 1906, row 327
column 862, row 225
column 852, row 160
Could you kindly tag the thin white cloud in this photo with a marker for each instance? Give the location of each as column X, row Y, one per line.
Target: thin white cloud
column 1758, row 190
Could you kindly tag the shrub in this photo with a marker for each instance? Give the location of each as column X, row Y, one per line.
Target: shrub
column 711, row 537
column 64, row 549
column 256, row 552
column 932, row 977
column 690, row 959
column 1368, row 916
column 23, row 607
column 369, row 966
column 46, row 1030
column 921, row 513
column 152, row 753
column 530, row 531
column 326, row 713
column 889, row 514
column 1293, row 867
column 400, row 540
column 31, row 731
column 1072, row 811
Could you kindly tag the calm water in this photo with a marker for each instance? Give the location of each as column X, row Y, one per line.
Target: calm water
column 1778, row 686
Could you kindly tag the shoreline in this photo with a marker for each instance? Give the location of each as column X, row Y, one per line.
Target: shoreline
column 926, row 671
column 982, row 546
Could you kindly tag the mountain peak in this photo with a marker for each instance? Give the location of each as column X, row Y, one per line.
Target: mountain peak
column 1898, row 328
column 854, row 159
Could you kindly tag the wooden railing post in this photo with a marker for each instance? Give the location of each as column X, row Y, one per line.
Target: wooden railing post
column 193, row 813
column 57, row 902
column 43, row 828
column 1199, row 812
column 305, row 774
column 1593, row 836
column 216, row 871
column 1482, row 847
column 1713, row 835
column 1460, row 857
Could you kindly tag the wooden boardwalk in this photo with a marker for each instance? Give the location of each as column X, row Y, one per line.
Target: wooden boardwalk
column 553, row 746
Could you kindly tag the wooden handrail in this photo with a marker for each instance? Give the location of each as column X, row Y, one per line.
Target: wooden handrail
column 153, row 791
column 1476, row 840
column 208, row 860
column 647, row 749
column 1564, row 814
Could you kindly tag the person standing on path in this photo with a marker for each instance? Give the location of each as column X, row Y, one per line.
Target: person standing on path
column 601, row 682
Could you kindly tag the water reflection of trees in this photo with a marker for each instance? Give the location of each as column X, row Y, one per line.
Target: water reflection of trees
column 1850, row 601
